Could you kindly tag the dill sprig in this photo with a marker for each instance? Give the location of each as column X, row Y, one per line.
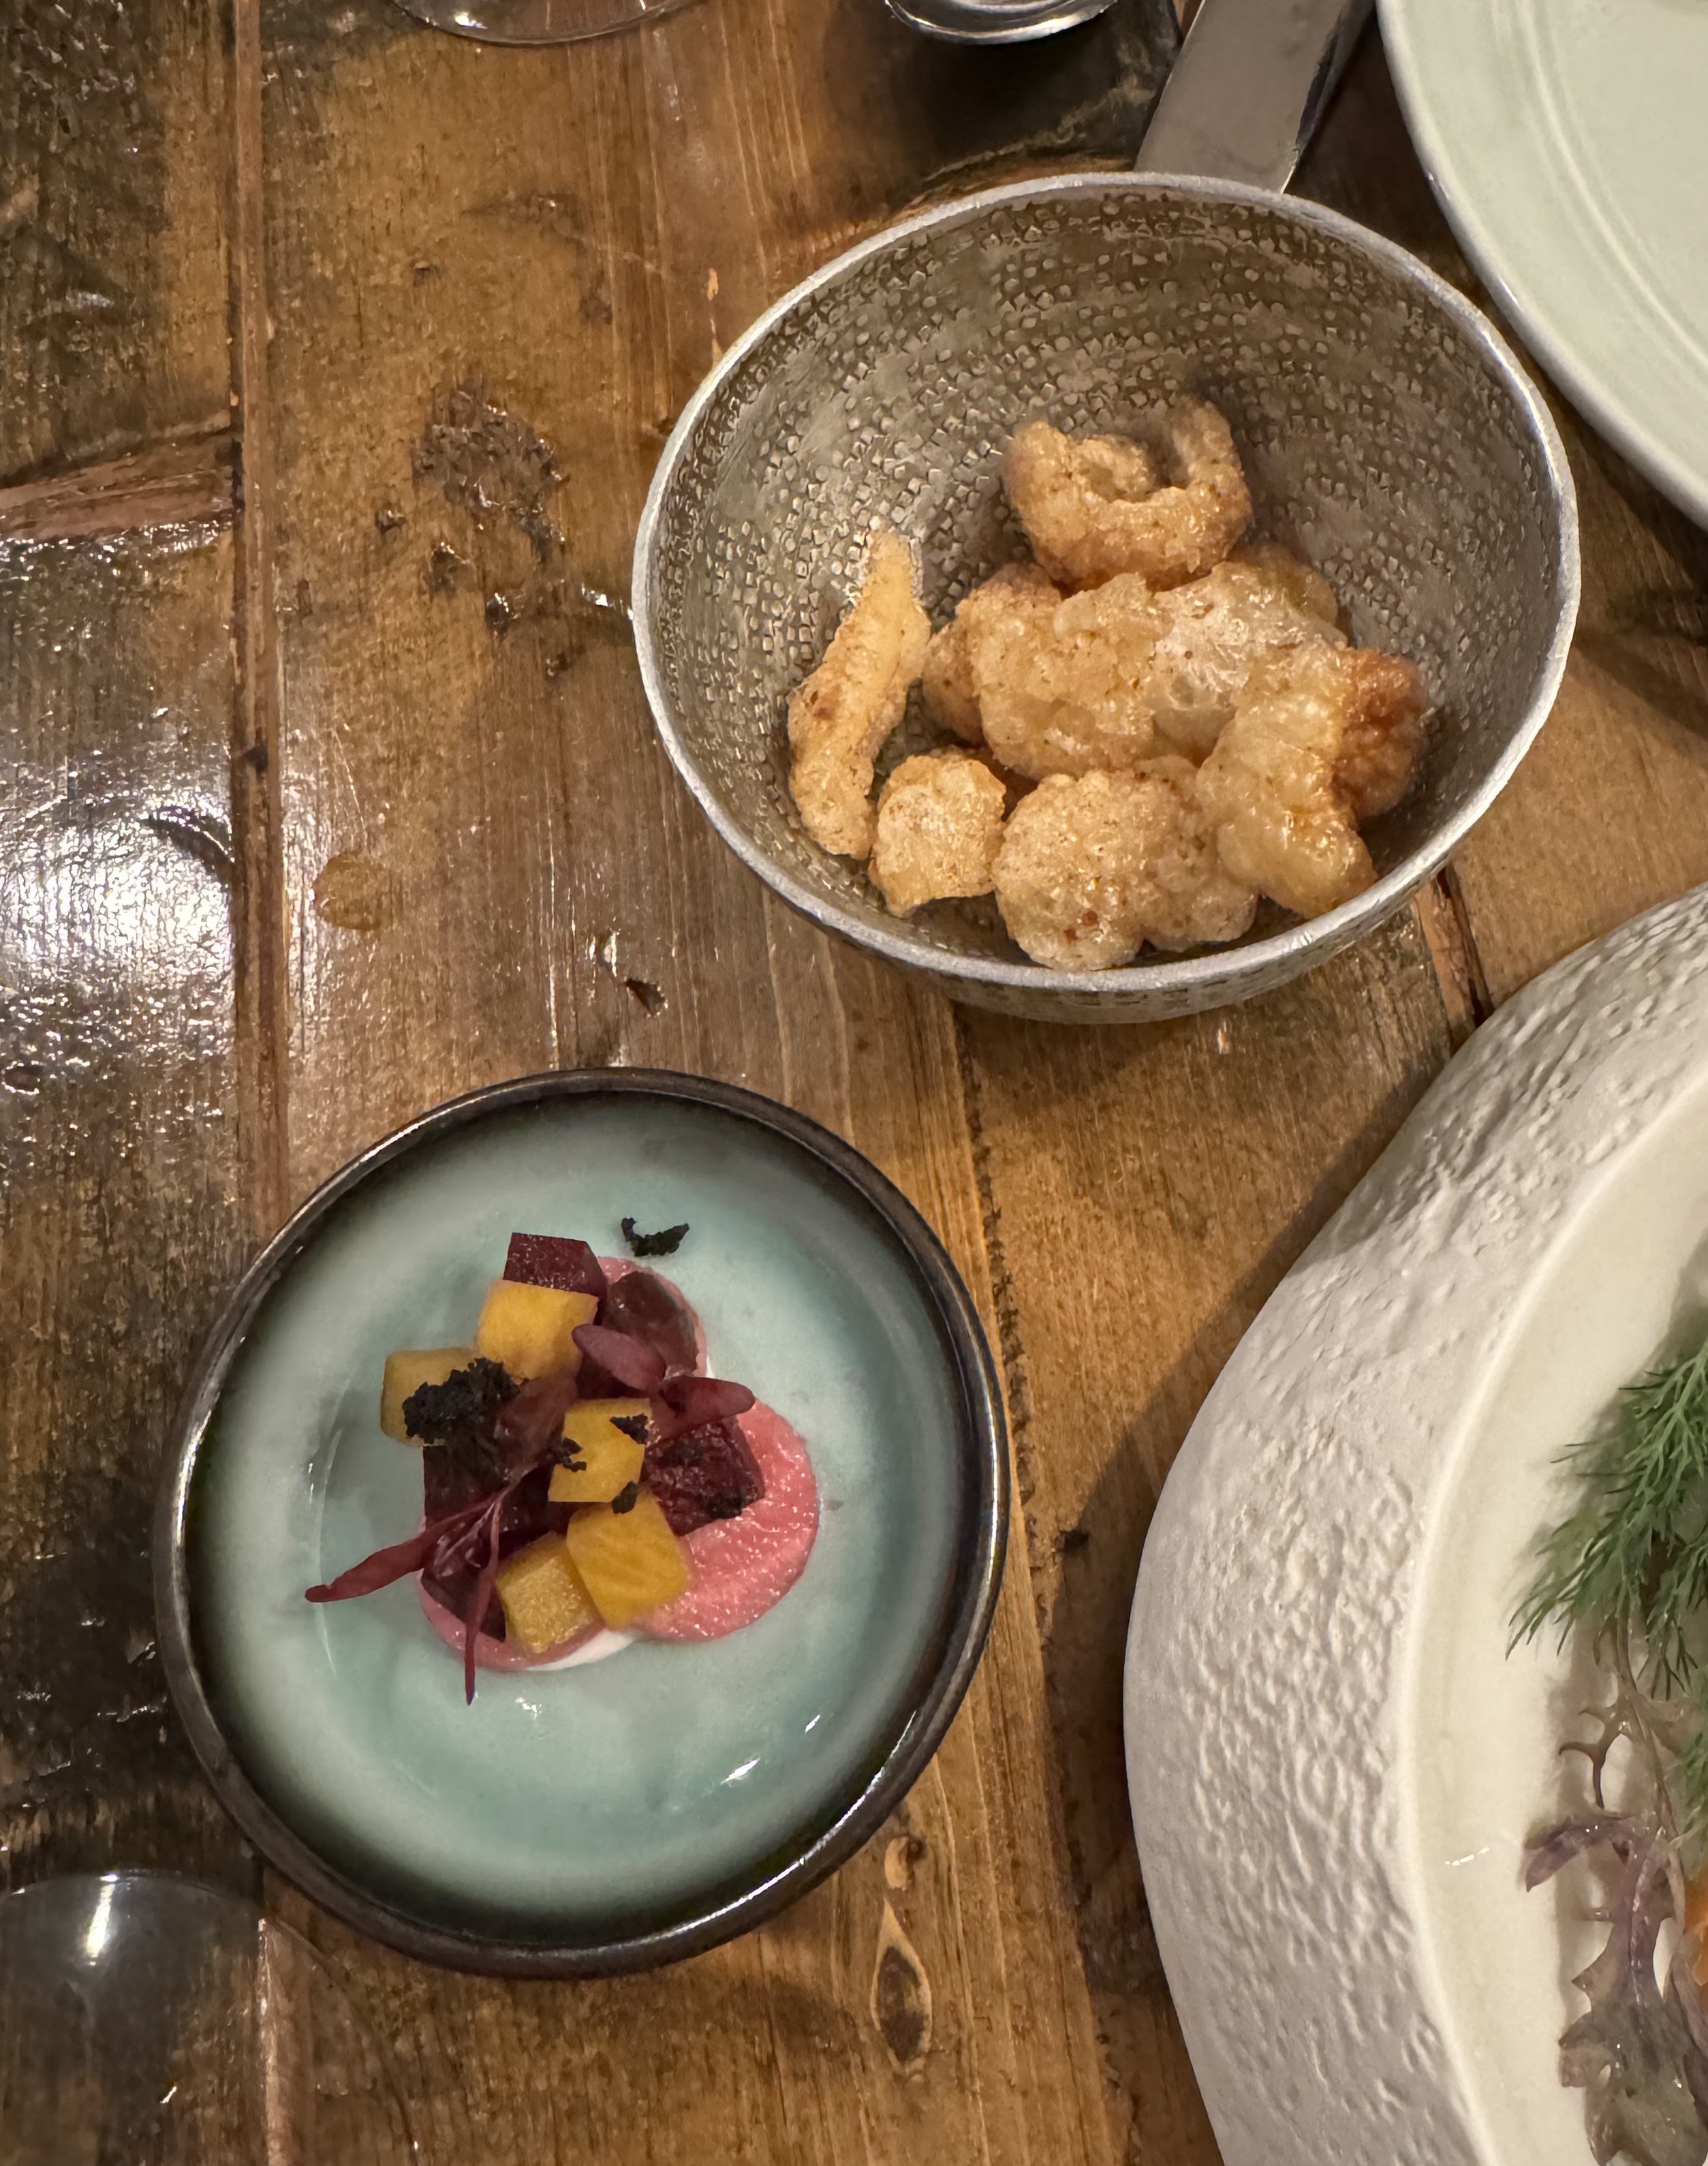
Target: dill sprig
column 1635, row 1551
column 1629, row 1566
column 1631, row 1560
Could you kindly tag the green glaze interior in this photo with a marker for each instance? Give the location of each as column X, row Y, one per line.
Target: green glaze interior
column 616, row 1798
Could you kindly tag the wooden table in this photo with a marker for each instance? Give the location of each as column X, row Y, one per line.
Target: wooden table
column 324, row 800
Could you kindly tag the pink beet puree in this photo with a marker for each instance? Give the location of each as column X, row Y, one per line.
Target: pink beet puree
column 742, row 1566
column 491, row 1653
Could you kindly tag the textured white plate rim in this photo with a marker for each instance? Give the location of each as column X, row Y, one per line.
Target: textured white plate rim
column 1504, row 249
column 1593, row 1184
column 1343, row 1414
column 1322, row 936
column 966, row 1626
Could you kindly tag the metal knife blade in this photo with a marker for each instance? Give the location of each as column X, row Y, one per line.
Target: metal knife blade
column 1245, row 94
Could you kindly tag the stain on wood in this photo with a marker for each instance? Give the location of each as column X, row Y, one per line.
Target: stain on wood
column 491, row 465
column 354, row 892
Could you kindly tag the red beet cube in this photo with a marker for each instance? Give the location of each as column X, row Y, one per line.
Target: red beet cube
column 545, row 1260
column 708, row 1473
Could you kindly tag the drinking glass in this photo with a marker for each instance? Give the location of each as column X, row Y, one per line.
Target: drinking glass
column 538, row 22
column 148, row 2019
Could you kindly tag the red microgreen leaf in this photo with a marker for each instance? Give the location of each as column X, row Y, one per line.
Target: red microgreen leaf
column 396, row 1562
column 647, row 1306
column 475, row 1615
column 635, row 1365
column 684, row 1402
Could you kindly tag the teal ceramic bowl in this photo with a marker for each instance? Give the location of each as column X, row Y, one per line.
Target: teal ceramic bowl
column 626, row 1812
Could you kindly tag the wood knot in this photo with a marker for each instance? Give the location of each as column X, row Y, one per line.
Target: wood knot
column 901, row 1997
column 901, row 1856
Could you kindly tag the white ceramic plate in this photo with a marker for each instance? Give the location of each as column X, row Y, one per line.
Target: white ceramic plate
column 1566, row 140
column 1333, row 1762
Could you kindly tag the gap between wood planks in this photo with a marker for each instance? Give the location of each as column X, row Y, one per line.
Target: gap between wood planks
column 1445, row 922
column 259, row 907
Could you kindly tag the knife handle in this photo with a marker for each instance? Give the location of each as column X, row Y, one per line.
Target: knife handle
column 1248, row 87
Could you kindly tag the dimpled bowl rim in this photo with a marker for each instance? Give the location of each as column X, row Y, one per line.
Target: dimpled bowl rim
column 981, row 1550
column 1222, row 976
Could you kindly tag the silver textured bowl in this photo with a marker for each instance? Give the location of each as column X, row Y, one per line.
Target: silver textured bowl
column 1389, row 435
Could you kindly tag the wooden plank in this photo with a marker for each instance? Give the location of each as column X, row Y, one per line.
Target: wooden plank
column 118, row 1219
column 111, row 177
column 490, row 870
column 118, row 1215
column 1608, row 813
column 1151, row 1188
column 182, row 482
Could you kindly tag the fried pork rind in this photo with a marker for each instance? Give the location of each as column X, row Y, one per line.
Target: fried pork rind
column 1383, row 738
column 1092, row 866
column 939, row 824
column 1319, row 735
column 951, row 696
column 840, row 717
column 1094, row 507
column 1195, row 899
column 1260, row 602
column 1122, row 673
column 1062, row 691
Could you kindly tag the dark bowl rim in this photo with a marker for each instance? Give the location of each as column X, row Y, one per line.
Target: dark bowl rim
column 919, row 1729
column 1217, row 975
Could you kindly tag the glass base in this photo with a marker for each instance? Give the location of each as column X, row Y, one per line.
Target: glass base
column 995, row 21
column 538, row 22
column 148, row 2018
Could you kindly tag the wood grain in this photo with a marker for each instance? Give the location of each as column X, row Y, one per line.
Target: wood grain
column 317, row 813
column 112, row 171
column 118, row 1223
column 182, row 482
column 490, row 870
column 1608, row 813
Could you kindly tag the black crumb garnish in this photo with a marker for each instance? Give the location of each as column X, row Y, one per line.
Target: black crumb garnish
column 625, row 1498
column 461, row 1407
column 665, row 1242
column 633, row 1426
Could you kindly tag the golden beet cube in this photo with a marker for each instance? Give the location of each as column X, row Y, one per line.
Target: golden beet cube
column 531, row 1328
column 611, row 1458
column 589, row 1418
column 544, row 1601
column 629, row 1561
column 406, row 1371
